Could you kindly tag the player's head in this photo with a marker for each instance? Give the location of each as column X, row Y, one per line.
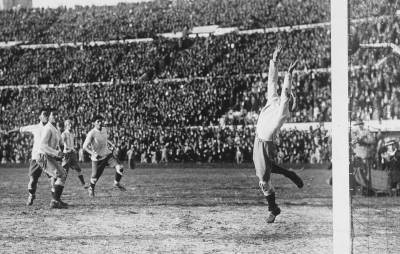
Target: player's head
column 53, row 115
column 44, row 115
column 68, row 124
column 292, row 102
column 98, row 121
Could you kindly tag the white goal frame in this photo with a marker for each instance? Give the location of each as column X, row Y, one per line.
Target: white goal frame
column 340, row 128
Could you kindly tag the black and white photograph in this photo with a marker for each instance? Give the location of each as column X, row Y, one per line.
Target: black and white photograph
column 200, row 126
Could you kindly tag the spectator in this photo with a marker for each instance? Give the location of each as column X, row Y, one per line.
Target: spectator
column 131, row 157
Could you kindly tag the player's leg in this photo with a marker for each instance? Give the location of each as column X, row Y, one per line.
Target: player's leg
column 263, row 166
column 73, row 164
column 52, row 185
column 58, row 175
column 119, row 171
column 287, row 173
column 97, row 171
column 269, row 193
column 53, row 181
column 58, row 190
column 35, row 172
column 66, row 166
column 82, row 179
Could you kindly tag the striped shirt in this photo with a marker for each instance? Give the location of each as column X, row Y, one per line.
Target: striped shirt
column 36, row 130
column 68, row 140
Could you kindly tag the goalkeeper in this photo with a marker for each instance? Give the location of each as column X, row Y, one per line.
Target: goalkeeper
column 271, row 119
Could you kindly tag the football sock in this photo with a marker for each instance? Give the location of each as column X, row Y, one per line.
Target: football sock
column 92, row 185
column 32, row 191
column 118, row 177
column 58, row 191
column 278, row 170
column 271, row 202
column 81, row 179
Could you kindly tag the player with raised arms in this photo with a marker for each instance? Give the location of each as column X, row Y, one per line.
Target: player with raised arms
column 96, row 144
column 271, row 118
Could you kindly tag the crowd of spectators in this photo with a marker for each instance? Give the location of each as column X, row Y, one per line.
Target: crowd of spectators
column 191, row 145
column 135, row 112
column 231, row 54
column 146, row 19
column 204, row 104
column 372, row 9
column 219, row 76
column 229, row 144
column 374, row 73
column 374, row 92
column 374, row 76
column 208, row 101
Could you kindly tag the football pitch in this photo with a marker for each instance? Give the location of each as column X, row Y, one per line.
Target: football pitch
column 184, row 209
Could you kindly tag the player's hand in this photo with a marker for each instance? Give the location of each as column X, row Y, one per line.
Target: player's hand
column 292, row 66
column 277, row 52
column 59, row 156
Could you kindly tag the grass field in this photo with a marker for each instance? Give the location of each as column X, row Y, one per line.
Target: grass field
column 200, row 209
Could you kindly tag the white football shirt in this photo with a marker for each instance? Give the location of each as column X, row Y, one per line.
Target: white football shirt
column 36, row 130
column 98, row 142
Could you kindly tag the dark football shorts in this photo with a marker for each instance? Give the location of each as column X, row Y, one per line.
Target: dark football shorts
column 99, row 166
column 70, row 160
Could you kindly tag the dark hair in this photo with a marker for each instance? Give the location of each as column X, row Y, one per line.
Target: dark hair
column 45, row 111
column 97, row 117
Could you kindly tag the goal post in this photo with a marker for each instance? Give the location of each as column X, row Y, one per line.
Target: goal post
column 340, row 128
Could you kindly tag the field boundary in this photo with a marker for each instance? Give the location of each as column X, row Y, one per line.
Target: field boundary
column 186, row 165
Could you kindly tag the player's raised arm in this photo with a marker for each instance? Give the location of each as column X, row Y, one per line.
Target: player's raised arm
column 287, row 83
column 273, row 71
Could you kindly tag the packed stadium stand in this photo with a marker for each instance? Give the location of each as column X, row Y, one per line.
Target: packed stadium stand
column 201, row 105
column 147, row 19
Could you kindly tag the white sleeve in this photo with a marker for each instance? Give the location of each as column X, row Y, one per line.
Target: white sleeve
column 272, row 79
column 27, row 129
